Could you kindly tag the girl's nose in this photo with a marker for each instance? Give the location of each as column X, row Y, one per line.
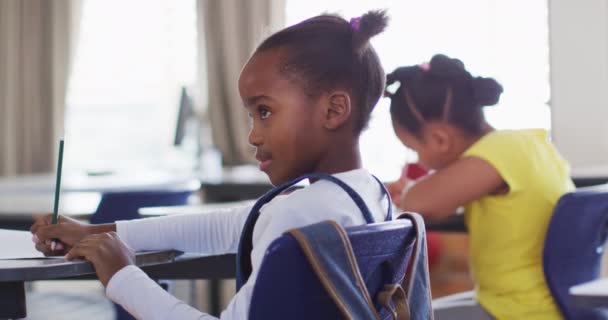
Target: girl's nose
column 255, row 139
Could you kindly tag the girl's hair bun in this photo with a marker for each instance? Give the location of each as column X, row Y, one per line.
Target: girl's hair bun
column 486, row 91
column 365, row 27
column 443, row 66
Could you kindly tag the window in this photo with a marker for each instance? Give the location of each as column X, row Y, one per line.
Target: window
column 131, row 61
column 506, row 40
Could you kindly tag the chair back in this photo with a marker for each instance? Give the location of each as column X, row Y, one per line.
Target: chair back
column 574, row 246
column 288, row 288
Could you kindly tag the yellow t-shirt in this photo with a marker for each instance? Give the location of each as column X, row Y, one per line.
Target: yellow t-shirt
column 507, row 232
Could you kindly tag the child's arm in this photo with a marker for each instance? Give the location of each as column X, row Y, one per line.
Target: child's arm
column 214, row 232
column 395, row 189
column 438, row 195
column 145, row 299
column 129, row 286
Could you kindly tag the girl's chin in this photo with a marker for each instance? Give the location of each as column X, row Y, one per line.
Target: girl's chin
column 276, row 179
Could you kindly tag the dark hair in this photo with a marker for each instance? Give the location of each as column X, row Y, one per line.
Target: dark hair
column 327, row 52
column 441, row 90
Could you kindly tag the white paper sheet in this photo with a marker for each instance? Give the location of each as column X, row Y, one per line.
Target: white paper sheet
column 17, row 245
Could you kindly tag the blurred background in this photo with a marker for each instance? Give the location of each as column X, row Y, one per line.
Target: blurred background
column 109, row 75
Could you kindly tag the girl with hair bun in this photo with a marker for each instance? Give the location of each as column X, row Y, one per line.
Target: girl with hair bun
column 309, row 90
column 508, row 182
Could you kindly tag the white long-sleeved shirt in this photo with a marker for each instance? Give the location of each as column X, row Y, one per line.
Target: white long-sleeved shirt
column 219, row 232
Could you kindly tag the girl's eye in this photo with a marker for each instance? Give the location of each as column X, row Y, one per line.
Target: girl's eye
column 264, row 113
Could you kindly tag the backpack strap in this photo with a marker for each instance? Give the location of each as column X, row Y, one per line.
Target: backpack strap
column 415, row 290
column 243, row 257
column 328, row 250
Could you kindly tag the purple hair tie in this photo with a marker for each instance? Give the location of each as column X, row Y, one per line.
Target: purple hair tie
column 355, row 23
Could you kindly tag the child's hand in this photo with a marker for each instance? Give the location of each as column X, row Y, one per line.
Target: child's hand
column 410, row 173
column 395, row 189
column 67, row 231
column 106, row 252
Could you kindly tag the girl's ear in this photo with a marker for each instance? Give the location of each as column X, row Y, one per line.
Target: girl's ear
column 440, row 138
column 337, row 110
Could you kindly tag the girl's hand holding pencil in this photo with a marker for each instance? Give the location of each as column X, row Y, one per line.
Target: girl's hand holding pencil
column 67, row 231
column 98, row 244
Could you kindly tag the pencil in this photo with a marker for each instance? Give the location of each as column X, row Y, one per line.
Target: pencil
column 57, row 190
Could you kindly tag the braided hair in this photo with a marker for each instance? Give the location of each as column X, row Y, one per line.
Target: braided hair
column 441, row 90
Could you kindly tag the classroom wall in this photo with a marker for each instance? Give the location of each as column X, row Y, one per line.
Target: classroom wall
column 579, row 83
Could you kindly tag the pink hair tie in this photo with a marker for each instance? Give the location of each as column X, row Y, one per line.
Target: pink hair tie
column 355, row 23
column 425, row 66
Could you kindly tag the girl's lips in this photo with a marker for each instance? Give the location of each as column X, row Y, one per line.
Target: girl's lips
column 264, row 164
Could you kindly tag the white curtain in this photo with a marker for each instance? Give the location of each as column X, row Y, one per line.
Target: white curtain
column 228, row 32
column 36, row 48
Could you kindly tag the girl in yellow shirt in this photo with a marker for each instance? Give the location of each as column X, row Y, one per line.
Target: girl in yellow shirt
column 508, row 181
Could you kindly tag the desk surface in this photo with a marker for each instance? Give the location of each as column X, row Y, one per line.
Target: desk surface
column 158, row 265
column 22, row 206
column 243, row 176
column 590, row 171
column 80, row 182
column 590, row 295
column 18, row 210
column 52, row 268
column 168, row 264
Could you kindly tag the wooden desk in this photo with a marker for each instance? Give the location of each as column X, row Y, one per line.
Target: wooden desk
column 161, row 264
column 590, row 295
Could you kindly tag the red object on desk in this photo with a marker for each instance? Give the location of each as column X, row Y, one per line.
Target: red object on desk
column 413, row 171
